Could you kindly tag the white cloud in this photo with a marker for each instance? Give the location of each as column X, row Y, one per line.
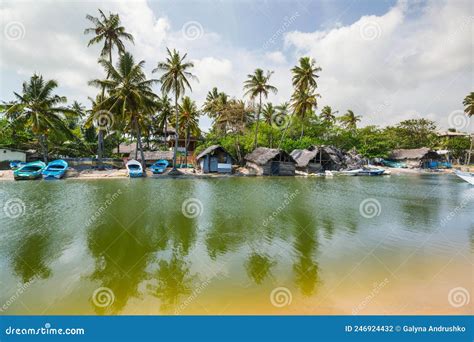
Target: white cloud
column 386, row 67
column 397, row 65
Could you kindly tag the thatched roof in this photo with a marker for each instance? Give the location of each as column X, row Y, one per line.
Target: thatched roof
column 416, row 153
column 125, row 148
column 263, row 155
column 154, row 155
column 303, row 157
column 210, row 150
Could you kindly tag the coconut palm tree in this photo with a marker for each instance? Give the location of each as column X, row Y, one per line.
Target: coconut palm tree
column 189, row 121
column 469, row 104
column 269, row 115
column 303, row 101
column 350, row 120
column 165, row 111
column 214, row 106
column 257, row 84
column 107, row 29
column 38, row 108
column 305, row 74
column 327, row 114
column 130, row 94
column 175, row 78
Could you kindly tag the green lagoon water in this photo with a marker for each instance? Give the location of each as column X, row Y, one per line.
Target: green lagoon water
column 342, row 245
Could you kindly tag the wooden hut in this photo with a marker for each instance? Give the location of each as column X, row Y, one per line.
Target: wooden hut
column 215, row 159
column 417, row 157
column 270, row 162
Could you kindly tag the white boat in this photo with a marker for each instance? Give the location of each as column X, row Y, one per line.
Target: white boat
column 134, row 168
column 350, row 172
column 467, row 176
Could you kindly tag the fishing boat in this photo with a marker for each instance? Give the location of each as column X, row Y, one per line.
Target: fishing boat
column 134, row 168
column 159, row 167
column 15, row 164
column 350, row 172
column 55, row 169
column 466, row 176
column 370, row 172
column 29, row 171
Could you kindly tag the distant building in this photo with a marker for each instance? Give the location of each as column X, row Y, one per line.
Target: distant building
column 417, row 157
column 215, row 159
column 9, row 154
column 270, row 162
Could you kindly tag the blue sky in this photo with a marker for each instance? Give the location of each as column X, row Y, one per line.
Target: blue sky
column 386, row 60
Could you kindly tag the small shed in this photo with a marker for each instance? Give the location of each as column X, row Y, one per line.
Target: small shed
column 319, row 159
column 270, row 162
column 215, row 159
column 418, row 157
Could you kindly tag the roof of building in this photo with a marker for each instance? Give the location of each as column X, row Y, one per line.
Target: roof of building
column 125, row 148
column 303, row 157
column 415, row 153
column 210, row 150
column 154, row 155
column 262, row 155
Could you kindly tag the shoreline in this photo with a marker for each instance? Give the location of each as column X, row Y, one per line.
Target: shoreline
column 7, row 175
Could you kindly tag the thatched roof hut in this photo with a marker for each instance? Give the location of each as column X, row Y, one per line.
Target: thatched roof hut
column 319, row 159
column 270, row 162
column 417, row 157
column 215, row 159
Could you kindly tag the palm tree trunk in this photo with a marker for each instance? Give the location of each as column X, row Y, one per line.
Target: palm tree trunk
column 175, row 152
column 166, row 131
column 470, row 150
column 44, row 147
column 258, row 119
column 139, row 142
column 186, row 147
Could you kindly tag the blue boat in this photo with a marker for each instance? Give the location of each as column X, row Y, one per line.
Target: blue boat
column 29, row 171
column 134, row 168
column 370, row 172
column 55, row 169
column 15, row 164
column 159, row 167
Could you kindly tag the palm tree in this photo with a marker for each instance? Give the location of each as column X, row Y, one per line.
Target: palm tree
column 40, row 109
column 130, row 94
column 304, row 75
column 303, row 101
column 214, row 106
column 350, row 120
column 469, row 104
column 175, row 79
column 327, row 115
column 189, row 121
column 269, row 115
column 257, row 85
column 165, row 113
column 469, row 110
column 107, row 29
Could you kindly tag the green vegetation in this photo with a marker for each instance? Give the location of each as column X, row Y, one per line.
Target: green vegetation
column 128, row 109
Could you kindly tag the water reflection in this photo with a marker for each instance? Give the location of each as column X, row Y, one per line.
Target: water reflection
column 259, row 267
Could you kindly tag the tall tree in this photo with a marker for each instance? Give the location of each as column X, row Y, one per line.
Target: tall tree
column 303, row 101
column 165, row 111
column 175, row 78
column 350, row 120
column 214, row 106
column 257, row 84
column 106, row 30
column 328, row 115
column 269, row 112
column 40, row 109
column 189, row 122
column 130, row 94
column 469, row 104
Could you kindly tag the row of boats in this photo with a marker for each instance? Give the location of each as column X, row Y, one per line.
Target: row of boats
column 56, row 169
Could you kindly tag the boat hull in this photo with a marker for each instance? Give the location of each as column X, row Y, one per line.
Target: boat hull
column 466, row 176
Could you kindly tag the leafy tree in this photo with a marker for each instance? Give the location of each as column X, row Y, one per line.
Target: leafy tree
column 256, row 85
column 175, row 78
